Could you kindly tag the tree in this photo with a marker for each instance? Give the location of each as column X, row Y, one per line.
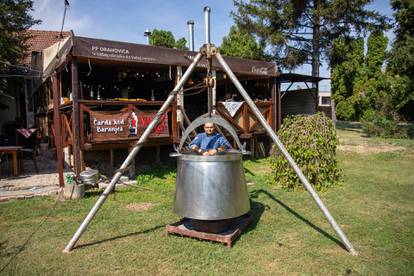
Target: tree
column 376, row 54
column 162, row 38
column 401, row 62
column 370, row 85
column 166, row 39
column 347, row 58
column 240, row 43
column 14, row 21
column 357, row 81
column 299, row 32
column 180, row 44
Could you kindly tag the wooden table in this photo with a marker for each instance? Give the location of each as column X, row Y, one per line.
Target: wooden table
column 13, row 150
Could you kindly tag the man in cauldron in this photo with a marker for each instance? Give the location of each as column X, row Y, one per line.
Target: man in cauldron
column 209, row 142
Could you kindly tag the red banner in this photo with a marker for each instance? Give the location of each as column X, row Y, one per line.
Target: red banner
column 121, row 125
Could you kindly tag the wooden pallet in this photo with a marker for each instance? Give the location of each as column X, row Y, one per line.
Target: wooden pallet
column 184, row 228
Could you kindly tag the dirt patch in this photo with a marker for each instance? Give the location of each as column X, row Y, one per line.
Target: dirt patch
column 369, row 148
column 137, row 207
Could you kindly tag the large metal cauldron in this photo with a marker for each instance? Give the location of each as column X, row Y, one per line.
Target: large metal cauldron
column 211, row 187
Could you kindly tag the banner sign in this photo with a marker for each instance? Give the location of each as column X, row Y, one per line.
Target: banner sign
column 121, row 125
column 129, row 52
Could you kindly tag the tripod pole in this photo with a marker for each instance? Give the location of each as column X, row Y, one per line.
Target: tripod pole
column 289, row 158
column 131, row 155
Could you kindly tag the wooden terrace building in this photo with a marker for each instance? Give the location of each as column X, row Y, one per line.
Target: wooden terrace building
column 100, row 95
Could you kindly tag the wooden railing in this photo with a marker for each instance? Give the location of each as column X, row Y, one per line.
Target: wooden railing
column 88, row 106
column 244, row 121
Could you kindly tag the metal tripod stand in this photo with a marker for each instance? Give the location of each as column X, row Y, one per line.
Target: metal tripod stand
column 209, row 51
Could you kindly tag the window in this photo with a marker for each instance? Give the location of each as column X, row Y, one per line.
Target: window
column 326, row 100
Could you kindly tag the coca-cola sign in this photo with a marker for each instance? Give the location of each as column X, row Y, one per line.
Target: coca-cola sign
column 260, row 70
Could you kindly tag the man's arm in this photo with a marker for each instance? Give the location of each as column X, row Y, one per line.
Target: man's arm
column 195, row 144
column 223, row 144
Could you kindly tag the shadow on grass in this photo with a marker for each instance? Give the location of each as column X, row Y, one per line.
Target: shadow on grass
column 96, row 192
column 160, row 170
column 349, row 125
column 16, row 250
column 248, row 171
column 256, row 210
column 255, row 194
column 99, row 192
column 121, row 236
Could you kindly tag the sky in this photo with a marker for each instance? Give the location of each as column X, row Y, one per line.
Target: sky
column 126, row 20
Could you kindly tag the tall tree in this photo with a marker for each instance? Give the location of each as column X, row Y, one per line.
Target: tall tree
column 401, row 61
column 368, row 86
column 240, row 43
column 300, row 32
column 347, row 59
column 166, row 39
column 357, row 81
column 14, row 21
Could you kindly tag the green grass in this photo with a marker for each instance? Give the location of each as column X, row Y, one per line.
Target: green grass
column 289, row 236
column 351, row 133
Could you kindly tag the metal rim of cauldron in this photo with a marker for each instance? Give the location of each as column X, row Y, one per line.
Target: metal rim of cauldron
column 228, row 156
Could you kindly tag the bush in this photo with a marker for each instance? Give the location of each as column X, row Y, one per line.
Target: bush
column 311, row 140
column 375, row 123
column 345, row 110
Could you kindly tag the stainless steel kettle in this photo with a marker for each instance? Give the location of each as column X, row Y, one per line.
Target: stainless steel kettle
column 210, row 187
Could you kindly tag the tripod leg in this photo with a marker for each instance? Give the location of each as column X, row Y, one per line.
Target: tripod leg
column 289, row 158
column 131, row 155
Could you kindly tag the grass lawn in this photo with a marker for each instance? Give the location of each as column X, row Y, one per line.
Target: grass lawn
column 289, row 236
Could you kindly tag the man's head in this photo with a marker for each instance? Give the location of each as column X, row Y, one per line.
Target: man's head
column 209, row 128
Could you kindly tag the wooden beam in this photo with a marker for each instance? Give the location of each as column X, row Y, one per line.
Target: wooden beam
column 131, row 166
column 76, row 119
column 57, row 127
column 279, row 105
column 174, row 124
column 111, row 158
column 223, row 112
column 81, row 129
column 246, row 123
column 274, row 104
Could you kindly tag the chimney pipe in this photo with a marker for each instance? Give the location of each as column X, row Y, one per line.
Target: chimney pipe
column 148, row 34
column 190, row 24
column 207, row 11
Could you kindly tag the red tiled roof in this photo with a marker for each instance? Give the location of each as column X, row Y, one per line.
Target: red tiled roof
column 41, row 40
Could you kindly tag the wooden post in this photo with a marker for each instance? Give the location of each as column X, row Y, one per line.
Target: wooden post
column 246, row 122
column 279, row 105
column 111, row 157
column 82, row 158
column 131, row 166
column 76, row 118
column 57, row 127
column 174, row 124
column 81, row 129
column 180, row 106
column 274, row 110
